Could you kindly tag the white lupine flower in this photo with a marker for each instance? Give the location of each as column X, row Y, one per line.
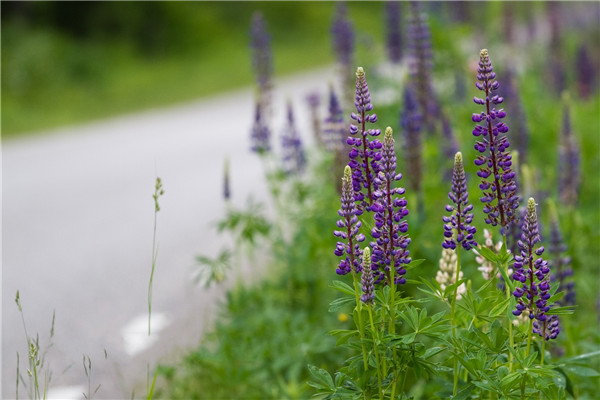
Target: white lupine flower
column 447, row 273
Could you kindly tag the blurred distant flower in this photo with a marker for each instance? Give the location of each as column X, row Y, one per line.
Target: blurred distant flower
column 314, row 101
column 457, row 228
column 262, row 57
column 343, row 35
column 334, row 132
column 585, row 72
column 555, row 65
column 391, row 241
column 260, row 134
column 367, row 278
column 531, row 270
column 294, row 160
column 568, row 160
column 421, row 65
column 517, row 117
column 446, row 275
column 394, row 31
column 410, row 120
column 342, row 32
column 349, row 227
column 499, row 192
column 365, row 153
column 449, row 143
column 559, row 263
column 226, row 185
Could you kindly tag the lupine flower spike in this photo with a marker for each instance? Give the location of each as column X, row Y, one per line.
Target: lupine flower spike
column 368, row 291
column 533, row 274
column 262, row 57
column 294, row 160
column 568, row 159
column 349, row 226
column 260, row 134
column 393, row 31
column 446, row 275
column 342, row 33
column 410, row 120
column 421, row 64
column 390, row 249
column 497, row 184
column 334, row 131
column 365, row 153
column 560, row 263
column 457, row 228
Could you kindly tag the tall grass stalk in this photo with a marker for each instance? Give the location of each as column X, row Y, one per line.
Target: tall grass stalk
column 158, row 191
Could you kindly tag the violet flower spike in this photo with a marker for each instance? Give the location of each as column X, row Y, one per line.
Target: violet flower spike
column 569, row 161
column 457, row 228
column 531, row 271
column 294, row 160
column 367, row 278
column 349, row 227
column 260, row 135
column 390, row 249
column 410, row 120
column 365, row 153
column 498, row 183
column 559, row 263
column 393, row 37
column 334, row 131
column 262, row 55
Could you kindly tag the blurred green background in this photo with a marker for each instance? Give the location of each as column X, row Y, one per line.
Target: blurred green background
column 69, row 62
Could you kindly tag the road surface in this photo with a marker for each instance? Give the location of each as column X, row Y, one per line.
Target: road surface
column 77, row 223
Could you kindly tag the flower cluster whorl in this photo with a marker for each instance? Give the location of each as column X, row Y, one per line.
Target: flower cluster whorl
column 351, row 226
column 532, row 274
column 366, row 280
column 499, row 192
column 548, row 329
column 365, row 153
column 460, row 218
column 390, row 247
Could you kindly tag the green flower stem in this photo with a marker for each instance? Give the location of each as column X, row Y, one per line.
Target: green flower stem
column 360, row 323
column 376, row 351
column 530, row 332
column 543, row 348
column 452, row 309
column 511, row 339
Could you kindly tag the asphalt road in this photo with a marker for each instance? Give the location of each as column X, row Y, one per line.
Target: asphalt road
column 77, row 222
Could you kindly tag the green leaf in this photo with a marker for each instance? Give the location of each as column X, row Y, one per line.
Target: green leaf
column 501, row 307
column 556, row 297
column 581, row 371
column 414, row 264
column 560, row 311
column 337, row 304
column 342, row 287
column 488, row 254
column 582, row 356
column 322, row 379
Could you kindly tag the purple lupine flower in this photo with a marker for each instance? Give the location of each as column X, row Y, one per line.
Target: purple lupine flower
column 367, row 278
column 262, row 57
column 568, row 160
column 531, row 270
column 410, row 120
column 393, row 31
column 517, row 117
column 460, row 219
column 350, row 226
column 365, row 153
column 449, row 145
column 343, row 35
column 556, row 68
column 499, row 193
column 390, row 249
column 559, row 263
column 421, row 65
column 548, row 329
column 293, row 157
column 334, row 132
column 585, row 72
column 314, row 101
column 260, row 135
